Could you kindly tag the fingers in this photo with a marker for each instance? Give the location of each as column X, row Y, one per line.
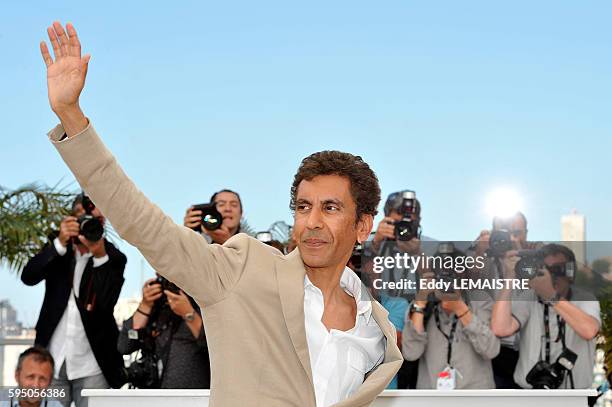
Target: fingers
column 57, row 52
column 44, row 51
column 62, row 37
column 74, row 45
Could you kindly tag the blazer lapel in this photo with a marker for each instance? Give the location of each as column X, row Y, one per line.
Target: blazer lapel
column 291, row 290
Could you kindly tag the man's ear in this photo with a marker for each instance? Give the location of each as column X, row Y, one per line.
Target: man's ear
column 364, row 227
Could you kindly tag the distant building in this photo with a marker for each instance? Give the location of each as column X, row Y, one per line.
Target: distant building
column 573, row 234
column 13, row 340
column 8, row 320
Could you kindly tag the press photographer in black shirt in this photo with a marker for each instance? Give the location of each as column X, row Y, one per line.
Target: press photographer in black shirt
column 167, row 328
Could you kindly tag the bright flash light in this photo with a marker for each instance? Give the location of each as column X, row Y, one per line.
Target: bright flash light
column 503, row 202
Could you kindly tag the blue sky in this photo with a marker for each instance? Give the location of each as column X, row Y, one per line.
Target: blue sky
column 451, row 99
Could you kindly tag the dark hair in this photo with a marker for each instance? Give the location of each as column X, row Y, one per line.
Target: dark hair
column 553, row 249
column 40, row 355
column 212, row 198
column 364, row 184
column 394, row 199
column 77, row 200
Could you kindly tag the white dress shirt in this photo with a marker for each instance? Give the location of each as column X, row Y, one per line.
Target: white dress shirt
column 69, row 342
column 340, row 359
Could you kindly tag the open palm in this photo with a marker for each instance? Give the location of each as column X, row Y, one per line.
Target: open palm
column 65, row 75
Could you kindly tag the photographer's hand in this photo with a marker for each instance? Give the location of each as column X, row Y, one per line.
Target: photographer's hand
column 65, row 76
column 151, row 292
column 482, row 242
column 193, row 218
column 69, row 228
column 543, row 285
column 181, row 306
column 385, row 230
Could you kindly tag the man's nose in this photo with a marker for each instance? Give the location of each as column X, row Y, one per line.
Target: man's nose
column 315, row 219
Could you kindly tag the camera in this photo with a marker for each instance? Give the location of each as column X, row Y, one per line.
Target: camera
column 445, row 251
column 530, row 264
column 407, row 228
column 167, row 284
column 544, row 375
column 90, row 226
column 143, row 373
column 532, row 261
column 211, row 218
column 499, row 243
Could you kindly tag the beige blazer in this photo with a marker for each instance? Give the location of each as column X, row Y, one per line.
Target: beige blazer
column 252, row 296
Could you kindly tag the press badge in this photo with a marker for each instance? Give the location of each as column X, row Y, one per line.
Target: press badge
column 446, row 379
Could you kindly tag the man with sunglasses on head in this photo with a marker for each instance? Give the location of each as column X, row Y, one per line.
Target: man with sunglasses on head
column 557, row 323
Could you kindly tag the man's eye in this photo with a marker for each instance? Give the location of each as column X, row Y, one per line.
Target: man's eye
column 331, row 208
column 302, row 207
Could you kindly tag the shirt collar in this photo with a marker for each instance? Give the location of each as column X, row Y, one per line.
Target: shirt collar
column 79, row 256
column 351, row 283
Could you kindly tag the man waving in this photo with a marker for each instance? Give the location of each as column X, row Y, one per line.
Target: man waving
column 311, row 336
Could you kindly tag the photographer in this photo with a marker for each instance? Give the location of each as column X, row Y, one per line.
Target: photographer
column 507, row 233
column 449, row 333
column 556, row 321
column 229, row 206
column 83, row 275
column 167, row 327
column 399, row 232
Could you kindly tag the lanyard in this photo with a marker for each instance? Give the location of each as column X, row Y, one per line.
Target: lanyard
column 450, row 336
column 560, row 332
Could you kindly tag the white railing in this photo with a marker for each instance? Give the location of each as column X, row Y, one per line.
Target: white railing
column 389, row 398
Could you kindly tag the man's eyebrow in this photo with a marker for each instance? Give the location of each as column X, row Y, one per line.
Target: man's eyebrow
column 302, row 201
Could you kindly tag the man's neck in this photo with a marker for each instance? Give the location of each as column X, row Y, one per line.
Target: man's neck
column 25, row 403
column 326, row 279
column 81, row 249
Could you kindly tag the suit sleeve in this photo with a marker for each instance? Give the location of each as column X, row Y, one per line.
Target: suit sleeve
column 108, row 280
column 38, row 267
column 206, row 272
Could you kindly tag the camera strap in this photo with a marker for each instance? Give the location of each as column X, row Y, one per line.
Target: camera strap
column 451, row 334
column 560, row 337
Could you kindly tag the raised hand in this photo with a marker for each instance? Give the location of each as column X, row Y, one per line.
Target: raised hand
column 65, row 75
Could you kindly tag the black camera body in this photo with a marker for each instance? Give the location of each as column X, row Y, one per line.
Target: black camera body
column 446, row 250
column 143, row 373
column 211, row 218
column 167, row 285
column 530, row 264
column 90, row 226
column 500, row 243
column 544, row 375
column 407, row 228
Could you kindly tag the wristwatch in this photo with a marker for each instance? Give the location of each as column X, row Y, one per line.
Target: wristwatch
column 416, row 308
column 189, row 317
